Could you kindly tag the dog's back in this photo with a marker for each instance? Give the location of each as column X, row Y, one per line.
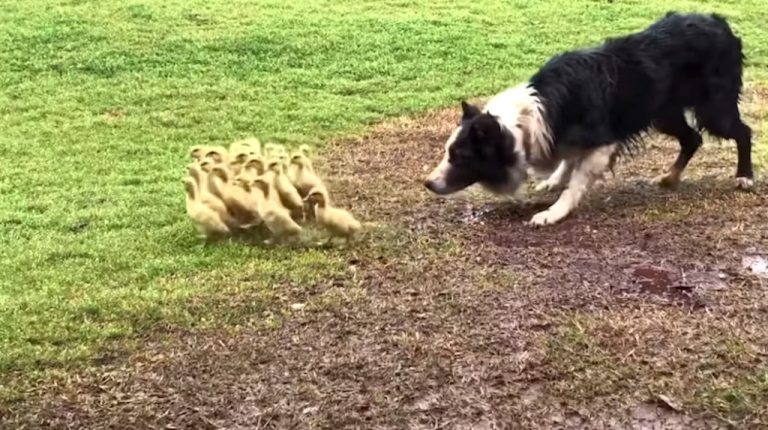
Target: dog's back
column 698, row 52
column 614, row 92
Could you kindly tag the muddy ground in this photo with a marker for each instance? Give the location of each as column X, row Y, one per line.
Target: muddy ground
column 637, row 312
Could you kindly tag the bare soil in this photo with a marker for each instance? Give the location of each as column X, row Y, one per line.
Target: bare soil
column 634, row 313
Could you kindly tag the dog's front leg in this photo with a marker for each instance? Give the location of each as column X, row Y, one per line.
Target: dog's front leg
column 558, row 179
column 585, row 171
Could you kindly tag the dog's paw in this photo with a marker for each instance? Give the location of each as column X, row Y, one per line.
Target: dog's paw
column 744, row 183
column 548, row 185
column 667, row 180
column 547, row 217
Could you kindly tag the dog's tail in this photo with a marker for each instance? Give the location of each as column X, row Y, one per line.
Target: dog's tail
column 729, row 58
column 735, row 45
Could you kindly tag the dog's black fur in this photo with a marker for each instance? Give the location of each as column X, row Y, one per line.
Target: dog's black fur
column 614, row 93
column 477, row 161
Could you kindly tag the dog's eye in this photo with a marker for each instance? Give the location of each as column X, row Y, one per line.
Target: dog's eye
column 457, row 157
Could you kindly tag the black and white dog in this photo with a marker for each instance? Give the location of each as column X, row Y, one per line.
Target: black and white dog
column 584, row 108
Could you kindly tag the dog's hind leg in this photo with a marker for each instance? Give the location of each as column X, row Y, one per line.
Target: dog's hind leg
column 722, row 119
column 586, row 170
column 675, row 125
column 558, row 179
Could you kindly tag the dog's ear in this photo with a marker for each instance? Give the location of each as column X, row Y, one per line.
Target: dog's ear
column 468, row 111
column 485, row 127
column 485, row 132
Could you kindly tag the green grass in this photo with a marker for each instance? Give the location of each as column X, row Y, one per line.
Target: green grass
column 100, row 101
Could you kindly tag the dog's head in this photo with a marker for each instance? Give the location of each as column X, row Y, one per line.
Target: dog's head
column 480, row 150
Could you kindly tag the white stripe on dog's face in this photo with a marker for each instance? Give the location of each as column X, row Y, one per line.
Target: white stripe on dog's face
column 438, row 175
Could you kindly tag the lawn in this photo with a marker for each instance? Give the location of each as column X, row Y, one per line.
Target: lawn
column 100, row 101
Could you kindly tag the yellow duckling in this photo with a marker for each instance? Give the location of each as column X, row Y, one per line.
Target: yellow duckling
column 199, row 173
column 274, row 150
column 197, row 152
column 249, row 145
column 305, row 179
column 273, row 197
column 246, row 184
column 255, row 197
column 338, row 222
column 288, row 194
column 253, row 167
column 207, row 164
column 206, row 220
column 305, row 149
column 277, row 218
column 203, row 194
column 237, row 160
column 241, row 204
column 218, row 154
column 292, row 169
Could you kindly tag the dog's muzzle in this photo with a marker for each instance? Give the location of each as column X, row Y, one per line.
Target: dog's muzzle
column 437, row 179
column 437, row 187
column 447, row 181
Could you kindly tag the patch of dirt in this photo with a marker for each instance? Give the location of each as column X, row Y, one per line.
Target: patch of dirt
column 661, row 283
column 457, row 315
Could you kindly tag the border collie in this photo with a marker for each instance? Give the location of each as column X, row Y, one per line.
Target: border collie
column 584, row 108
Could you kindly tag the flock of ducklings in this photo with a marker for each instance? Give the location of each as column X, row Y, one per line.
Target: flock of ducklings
column 247, row 188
